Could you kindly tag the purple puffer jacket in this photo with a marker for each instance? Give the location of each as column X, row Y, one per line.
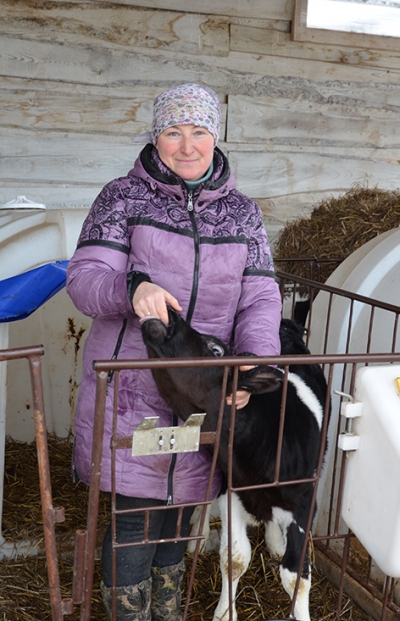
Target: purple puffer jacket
column 214, row 258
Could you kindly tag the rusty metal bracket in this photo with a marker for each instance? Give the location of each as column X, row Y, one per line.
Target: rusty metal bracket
column 151, row 440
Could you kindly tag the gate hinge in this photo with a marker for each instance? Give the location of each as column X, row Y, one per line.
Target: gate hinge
column 349, row 441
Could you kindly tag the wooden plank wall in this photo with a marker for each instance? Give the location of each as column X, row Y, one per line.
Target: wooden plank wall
column 301, row 121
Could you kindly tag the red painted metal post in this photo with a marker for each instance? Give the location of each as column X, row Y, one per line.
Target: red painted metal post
column 50, row 515
column 94, row 494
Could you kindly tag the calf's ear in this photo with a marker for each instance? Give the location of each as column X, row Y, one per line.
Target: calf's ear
column 260, row 380
column 173, row 315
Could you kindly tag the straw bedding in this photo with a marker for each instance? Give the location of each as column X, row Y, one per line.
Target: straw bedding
column 336, row 228
column 24, row 586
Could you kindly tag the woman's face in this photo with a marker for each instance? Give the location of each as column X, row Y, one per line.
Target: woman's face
column 188, row 150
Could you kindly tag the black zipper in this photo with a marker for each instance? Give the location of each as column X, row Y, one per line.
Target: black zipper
column 170, row 487
column 193, row 298
column 196, row 241
column 117, row 348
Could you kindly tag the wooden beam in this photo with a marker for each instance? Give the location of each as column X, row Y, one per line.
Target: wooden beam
column 281, row 172
column 256, row 9
column 77, row 108
column 312, row 119
column 238, row 73
column 274, row 42
column 115, row 27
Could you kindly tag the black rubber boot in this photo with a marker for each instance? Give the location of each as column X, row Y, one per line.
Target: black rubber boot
column 166, row 592
column 133, row 602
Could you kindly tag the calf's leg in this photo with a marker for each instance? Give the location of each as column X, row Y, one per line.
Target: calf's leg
column 195, row 521
column 276, row 531
column 241, row 554
column 289, row 569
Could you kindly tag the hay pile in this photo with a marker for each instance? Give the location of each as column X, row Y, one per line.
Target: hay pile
column 24, row 592
column 336, row 228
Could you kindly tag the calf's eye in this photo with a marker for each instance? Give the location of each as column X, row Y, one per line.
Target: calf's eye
column 217, row 350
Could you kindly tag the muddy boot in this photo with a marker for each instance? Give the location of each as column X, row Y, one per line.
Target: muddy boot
column 166, row 592
column 133, row 602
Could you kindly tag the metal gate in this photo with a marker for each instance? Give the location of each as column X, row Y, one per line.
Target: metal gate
column 376, row 326
column 333, row 542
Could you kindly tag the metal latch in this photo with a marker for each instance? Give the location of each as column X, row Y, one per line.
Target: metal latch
column 151, row 440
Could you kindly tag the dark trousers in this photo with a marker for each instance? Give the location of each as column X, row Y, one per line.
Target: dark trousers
column 134, row 563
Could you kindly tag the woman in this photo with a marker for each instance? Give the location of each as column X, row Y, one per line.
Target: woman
column 176, row 232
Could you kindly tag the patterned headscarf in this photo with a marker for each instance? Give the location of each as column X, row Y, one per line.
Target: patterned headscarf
column 184, row 105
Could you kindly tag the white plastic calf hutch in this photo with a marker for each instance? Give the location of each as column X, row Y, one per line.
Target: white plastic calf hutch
column 372, row 271
column 30, row 237
column 368, row 497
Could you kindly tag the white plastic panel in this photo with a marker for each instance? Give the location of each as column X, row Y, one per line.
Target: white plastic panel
column 371, row 495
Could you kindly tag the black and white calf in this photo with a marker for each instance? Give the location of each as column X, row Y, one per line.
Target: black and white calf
column 284, row 509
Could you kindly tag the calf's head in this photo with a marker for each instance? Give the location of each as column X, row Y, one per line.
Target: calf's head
column 178, row 339
column 195, row 389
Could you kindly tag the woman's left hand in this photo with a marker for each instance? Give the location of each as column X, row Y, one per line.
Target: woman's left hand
column 242, row 396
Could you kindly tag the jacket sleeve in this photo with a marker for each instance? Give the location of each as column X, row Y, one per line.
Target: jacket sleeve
column 259, row 310
column 99, row 279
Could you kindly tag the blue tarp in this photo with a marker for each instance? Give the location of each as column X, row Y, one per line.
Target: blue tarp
column 21, row 295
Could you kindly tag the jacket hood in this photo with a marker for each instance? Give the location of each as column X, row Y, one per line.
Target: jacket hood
column 151, row 169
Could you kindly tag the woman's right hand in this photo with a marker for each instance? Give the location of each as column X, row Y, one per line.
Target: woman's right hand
column 150, row 299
